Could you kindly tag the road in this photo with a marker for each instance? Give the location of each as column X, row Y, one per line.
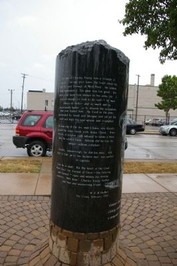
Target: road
column 7, row 148
column 154, row 147
column 140, row 146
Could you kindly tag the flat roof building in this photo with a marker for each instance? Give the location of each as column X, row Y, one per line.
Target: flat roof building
column 141, row 101
column 40, row 100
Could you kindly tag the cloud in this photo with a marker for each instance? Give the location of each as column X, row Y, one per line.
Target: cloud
column 27, row 21
column 39, row 66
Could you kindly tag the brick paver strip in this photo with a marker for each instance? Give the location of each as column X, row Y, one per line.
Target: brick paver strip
column 148, row 235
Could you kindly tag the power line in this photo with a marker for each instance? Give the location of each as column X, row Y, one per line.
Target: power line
column 40, row 78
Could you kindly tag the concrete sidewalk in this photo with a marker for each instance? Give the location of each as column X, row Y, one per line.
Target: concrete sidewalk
column 148, row 218
column 27, row 183
column 40, row 184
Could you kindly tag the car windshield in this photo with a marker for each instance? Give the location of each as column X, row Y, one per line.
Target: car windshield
column 130, row 121
column 174, row 122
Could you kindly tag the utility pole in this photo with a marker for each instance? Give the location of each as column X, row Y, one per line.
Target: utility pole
column 23, row 85
column 137, row 95
column 11, row 93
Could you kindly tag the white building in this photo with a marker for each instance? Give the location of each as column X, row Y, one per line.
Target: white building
column 40, row 100
column 141, row 101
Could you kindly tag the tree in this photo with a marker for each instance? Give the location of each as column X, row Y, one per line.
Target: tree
column 168, row 92
column 157, row 20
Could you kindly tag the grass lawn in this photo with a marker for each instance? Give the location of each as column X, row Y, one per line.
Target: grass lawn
column 20, row 166
column 130, row 167
column 150, row 167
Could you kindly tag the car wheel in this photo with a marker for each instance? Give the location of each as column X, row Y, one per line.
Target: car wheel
column 36, row 149
column 173, row 132
column 132, row 131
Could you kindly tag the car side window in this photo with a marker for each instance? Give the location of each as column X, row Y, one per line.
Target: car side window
column 49, row 122
column 31, row 120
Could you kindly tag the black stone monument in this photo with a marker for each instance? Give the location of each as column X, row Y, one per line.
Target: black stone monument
column 91, row 90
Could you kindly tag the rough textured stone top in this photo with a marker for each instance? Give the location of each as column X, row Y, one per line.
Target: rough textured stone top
column 86, row 47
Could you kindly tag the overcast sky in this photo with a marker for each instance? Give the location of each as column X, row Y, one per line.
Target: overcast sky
column 33, row 32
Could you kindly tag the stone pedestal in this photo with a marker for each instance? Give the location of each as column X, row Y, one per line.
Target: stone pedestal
column 72, row 248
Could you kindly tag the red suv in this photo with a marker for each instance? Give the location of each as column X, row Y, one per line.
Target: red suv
column 34, row 132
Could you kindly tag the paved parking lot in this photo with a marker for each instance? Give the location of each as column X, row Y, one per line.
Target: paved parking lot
column 141, row 146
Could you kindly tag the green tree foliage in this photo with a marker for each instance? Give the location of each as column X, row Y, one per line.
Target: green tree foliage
column 168, row 92
column 157, row 20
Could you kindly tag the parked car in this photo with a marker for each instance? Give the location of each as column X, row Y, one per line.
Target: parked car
column 158, row 122
column 148, row 122
column 4, row 114
column 173, row 121
column 34, row 132
column 16, row 116
column 132, row 127
column 1, row 113
column 170, row 130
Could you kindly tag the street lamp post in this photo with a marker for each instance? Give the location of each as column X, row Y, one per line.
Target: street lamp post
column 137, row 96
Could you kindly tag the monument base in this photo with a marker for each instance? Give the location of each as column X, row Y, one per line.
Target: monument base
column 43, row 256
column 68, row 248
column 83, row 249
